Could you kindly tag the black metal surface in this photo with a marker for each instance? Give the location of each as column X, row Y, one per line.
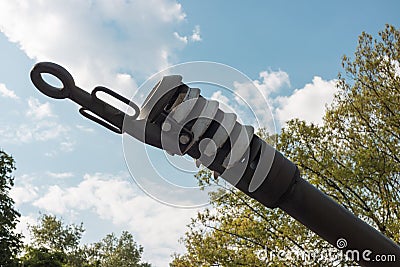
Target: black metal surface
column 333, row 222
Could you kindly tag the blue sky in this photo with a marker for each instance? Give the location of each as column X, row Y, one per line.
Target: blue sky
column 74, row 169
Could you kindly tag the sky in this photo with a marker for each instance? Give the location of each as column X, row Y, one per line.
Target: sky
column 68, row 166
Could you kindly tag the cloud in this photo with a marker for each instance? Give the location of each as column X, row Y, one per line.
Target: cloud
column 45, row 131
column 38, row 125
column 24, row 194
column 222, row 99
column 53, row 201
column 23, row 227
column 5, row 92
column 37, row 110
column 183, row 39
column 272, row 81
column 307, row 103
column 98, row 41
column 27, row 132
column 67, row 145
column 257, row 95
column 60, row 175
column 195, row 37
column 85, row 128
column 41, row 125
column 156, row 226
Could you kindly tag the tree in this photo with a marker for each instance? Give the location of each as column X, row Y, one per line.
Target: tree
column 54, row 244
column 58, row 244
column 114, row 251
column 10, row 242
column 42, row 257
column 53, row 234
column 353, row 157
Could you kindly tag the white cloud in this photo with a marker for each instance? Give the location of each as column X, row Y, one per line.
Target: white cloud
column 307, row 103
column 51, row 154
column 218, row 96
column 27, row 132
column 268, row 82
column 196, row 37
column 5, row 92
column 37, row 110
column 156, row 226
column 53, row 201
column 45, row 131
column 257, row 95
column 96, row 40
column 85, row 128
column 38, row 127
column 183, row 39
column 272, row 81
column 24, row 194
column 67, row 145
column 60, row 175
column 23, row 227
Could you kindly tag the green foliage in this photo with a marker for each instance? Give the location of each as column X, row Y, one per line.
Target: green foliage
column 54, row 235
column 353, row 157
column 42, row 257
column 10, row 242
column 58, row 244
column 54, row 244
column 114, row 251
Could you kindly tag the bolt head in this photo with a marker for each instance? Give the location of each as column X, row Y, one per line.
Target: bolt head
column 166, row 127
column 184, row 139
